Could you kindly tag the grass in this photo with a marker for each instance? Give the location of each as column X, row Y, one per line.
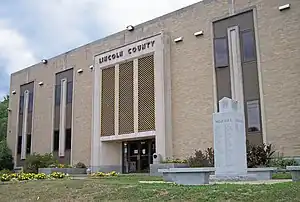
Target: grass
column 282, row 175
column 128, row 188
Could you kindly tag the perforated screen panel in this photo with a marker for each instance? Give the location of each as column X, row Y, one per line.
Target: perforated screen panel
column 126, row 120
column 146, row 108
column 108, row 102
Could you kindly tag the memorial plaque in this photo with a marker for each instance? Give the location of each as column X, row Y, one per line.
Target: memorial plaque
column 229, row 140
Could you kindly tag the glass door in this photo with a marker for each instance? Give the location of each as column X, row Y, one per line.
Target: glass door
column 137, row 156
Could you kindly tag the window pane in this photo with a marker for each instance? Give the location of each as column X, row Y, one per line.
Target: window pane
column 19, row 144
column 68, row 139
column 56, row 141
column 28, row 146
column 221, row 52
column 21, row 107
column 248, row 46
column 57, row 94
column 70, row 92
column 30, row 104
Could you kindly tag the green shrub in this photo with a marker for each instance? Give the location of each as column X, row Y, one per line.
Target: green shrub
column 5, row 171
column 35, row 161
column 202, row 159
column 6, row 159
column 80, row 165
column 259, row 155
column 281, row 162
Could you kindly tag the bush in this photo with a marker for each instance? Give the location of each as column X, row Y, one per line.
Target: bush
column 202, row 159
column 259, row 155
column 5, row 171
column 6, row 159
column 80, row 165
column 280, row 162
column 35, row 161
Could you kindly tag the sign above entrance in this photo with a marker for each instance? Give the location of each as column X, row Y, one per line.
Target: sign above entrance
column 129, row 51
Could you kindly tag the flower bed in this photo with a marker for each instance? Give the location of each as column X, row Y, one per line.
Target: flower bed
column 101, row 174
column 30, row 176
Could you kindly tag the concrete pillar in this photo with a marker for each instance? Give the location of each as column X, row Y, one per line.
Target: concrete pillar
column 24, row 126
column 62, row 123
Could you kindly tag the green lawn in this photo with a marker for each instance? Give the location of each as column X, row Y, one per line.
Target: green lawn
column 127, row 188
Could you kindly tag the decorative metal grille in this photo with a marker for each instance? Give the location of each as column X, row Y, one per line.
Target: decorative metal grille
column 146, row 109
column 126, row 117
column 108, row 102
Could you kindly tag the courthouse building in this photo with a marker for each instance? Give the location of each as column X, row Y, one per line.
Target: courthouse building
column 152, row 88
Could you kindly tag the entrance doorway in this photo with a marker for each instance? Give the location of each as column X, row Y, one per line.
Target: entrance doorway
column 137, row 155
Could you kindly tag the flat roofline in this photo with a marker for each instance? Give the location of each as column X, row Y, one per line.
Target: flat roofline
column 162, row 17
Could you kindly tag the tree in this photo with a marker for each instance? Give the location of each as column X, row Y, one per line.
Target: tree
column 3, row 117
column 6, row 159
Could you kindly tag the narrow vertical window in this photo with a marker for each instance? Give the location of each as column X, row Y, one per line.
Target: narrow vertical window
column 56, row 141
column 21, row 106
column 70, row 92
column 248, row 46
column 57, row 94
column 68, row 139
column 19, row 144
column 221, row 52
column 30, row 104
column 28, row 147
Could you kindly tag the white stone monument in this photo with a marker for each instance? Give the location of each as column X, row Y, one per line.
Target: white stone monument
column 230, row 142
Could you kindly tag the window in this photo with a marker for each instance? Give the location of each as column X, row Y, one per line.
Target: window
column 28, row 146
column 70, row 92
column 30, row 102
column 221, row 52
column 68, row 139
column 21, row 105
column 19, row 144
column 56, row 141
column 248, row 46
column 57, row 94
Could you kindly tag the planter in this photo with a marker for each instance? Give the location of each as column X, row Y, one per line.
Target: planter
column 70, row 171
column 154, row 167
column 187, row 176
column 295, row 172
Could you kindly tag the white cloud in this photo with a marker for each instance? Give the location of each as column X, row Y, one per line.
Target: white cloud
column 118, row 14
column 13, row 49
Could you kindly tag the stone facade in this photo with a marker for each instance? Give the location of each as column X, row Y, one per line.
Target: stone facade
column 192, row 76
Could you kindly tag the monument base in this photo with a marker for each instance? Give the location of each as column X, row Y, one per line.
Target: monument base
column 233, row 178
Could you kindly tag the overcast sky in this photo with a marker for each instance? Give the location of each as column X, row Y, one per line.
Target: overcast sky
column 33, row 29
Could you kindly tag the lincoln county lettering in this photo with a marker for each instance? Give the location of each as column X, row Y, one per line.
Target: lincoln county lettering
column 130, row 51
